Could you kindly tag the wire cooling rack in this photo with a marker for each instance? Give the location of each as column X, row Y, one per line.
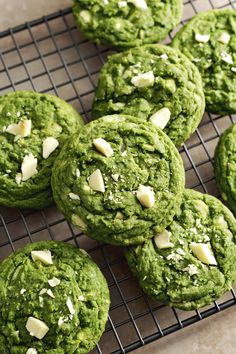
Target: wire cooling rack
column 50, row 55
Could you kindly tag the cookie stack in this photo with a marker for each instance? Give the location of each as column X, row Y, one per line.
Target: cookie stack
column 120, row 178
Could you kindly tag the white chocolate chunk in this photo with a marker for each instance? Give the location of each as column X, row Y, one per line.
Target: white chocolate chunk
column 49, row 145
column 18, row 178
column 20, row 130
column 43, row 291
column 31, row 351
column 70, row 306
column 191, row 269
column 77, row 173
column 164, row 56
column 143, row 80
column 103, row 147
column 222, row 222
column 202, row 207
column 122, row 3
column 43, row 256
column 85, row 15
column 22, row 291
column 203, row 38
column 81, row 298
column 140, row 4
column 162, row 240
column 36, row 328
column 60, row 321
column 50, row 293
column 29, row 167
column 96, row 181
column 146, row 196
column 227, row 58
column 115, row 176
column 203, row 252
column 233, row 69
column 119, row 215
column 54, row 282
column 161, row 118
column 224, row 38
column 77, row 221
column 74, row 196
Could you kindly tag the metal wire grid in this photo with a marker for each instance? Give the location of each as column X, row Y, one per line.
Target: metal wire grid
column 50, row 55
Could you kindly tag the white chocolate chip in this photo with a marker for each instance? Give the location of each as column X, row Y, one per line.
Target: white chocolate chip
column 140, row 4
column 74, row 196
column 18, row 178
column 77, row 221
column 96, row 181
column 122, row 3
column 60, row 321
column 203, row 38
column 191, row 269
column 49, row 145
column 162, row 240
column 20, row 130
column 224, row 38
column 119, row 215
column 31, row 351
column 29, row 167
column 146, row 196
column 161, row 118
column 43, row 291
column 164, row 56
column 50, row 293
column 201, row 207
column 103, row 147
column 226, row 57
column 43, row 256
column 70, row 306
column 203, row 252
column 36, row 328
column 81, row 298
column 77, row 173
column 85, row 15
column 143, row 80
column 22, row 291
column 115, row 176
column 54, row 282
column 233, row 69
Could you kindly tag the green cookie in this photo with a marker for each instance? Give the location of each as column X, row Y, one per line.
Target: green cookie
column 193, row 262
column 209, row 40
column 55, row 302
column 126, row 24
column 33, row 128
column 120, row 180
column 152, row 82
column 225, row 166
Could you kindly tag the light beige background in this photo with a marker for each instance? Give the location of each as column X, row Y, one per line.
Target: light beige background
column 216, row 334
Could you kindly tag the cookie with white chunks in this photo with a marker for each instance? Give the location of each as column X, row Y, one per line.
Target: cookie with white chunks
column 209, row 41
column 155, row 83
column 225, row 166
column 192, row 262
column 127, row 23
column 54, row 299
column 120, row 180
column 33, row 128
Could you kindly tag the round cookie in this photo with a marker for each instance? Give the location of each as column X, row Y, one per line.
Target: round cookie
column 225, row 166
column 125, row 24
column 209, row 40
column 152, row 82
column 192, row 263
column 120, row 180
column 33, row 128
column 53, row 301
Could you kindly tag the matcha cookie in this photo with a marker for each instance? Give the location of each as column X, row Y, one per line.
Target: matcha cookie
column 154, row 82
column 209, row 40
column 193, row 262
column 125, row 24
column 54, row 299
column 33, row 128
column 120, row 180
column 225, row 166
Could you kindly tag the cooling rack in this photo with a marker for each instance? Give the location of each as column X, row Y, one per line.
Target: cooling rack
column 50, row 55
